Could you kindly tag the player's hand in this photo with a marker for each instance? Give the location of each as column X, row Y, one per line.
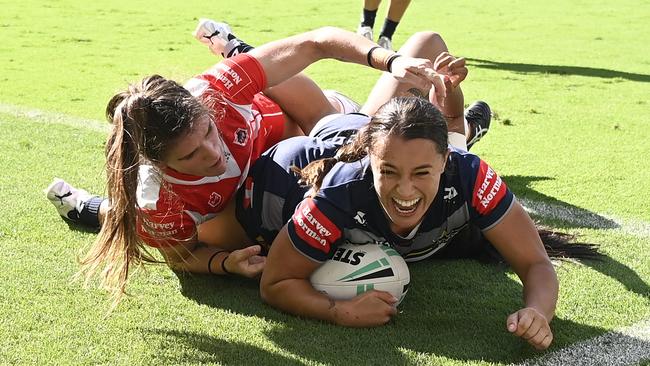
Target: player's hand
column 531, row 325
column 369, row 309
column 246, row 262
column 213, row 34
column 415, row 71
column 448, row 73
column 452, row 67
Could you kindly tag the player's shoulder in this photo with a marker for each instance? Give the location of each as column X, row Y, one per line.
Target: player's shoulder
column 346, row 184
column 343, row 174
column 462, row 162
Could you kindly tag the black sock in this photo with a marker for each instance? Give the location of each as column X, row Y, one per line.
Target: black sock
column 235, row 46
column 389, row 28
column 368, row 19
column 89, row 214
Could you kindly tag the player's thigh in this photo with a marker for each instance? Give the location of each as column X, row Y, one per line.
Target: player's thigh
column 302, row 100
column 339, row 128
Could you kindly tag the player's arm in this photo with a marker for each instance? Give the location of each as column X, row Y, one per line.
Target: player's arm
column 287, row 57
column 218, row 244
column 517, row 239
column 449, row 99
column 285, row 285
column 195, row 257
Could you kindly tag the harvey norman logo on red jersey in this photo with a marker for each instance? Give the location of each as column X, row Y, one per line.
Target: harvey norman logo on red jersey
column 313, row 227
column 489, row 189
column 232, row 76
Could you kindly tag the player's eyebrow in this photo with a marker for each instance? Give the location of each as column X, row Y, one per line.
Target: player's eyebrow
column 189, row 156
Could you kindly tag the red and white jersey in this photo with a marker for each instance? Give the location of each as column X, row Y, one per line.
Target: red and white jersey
column 173, row 204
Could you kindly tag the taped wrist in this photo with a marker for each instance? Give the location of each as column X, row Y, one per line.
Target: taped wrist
column 235, row 46
column 379, row 58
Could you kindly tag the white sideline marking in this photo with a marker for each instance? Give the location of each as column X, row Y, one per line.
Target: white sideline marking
column 628, row 346
column 587, row 219
column 58, row 118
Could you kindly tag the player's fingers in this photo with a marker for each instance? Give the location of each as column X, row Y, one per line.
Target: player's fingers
column 241, row 255
column 512, row 322
column 525, row 321
column 255, row 269
column 546, row 342
column 537, row 339
column 533, row 331
column 439, row 59
column 443, row 64
column 386, row 297
column 457, row 63
column 458, row 76
column 256, row 259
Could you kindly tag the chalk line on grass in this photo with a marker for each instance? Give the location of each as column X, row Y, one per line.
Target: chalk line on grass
column 628, row 346
column 38, row 115
column 587, row 219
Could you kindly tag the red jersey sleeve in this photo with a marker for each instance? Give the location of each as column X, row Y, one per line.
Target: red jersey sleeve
column 239, row 78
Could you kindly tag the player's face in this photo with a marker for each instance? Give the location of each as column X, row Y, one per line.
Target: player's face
column 200, row 152
column 406, row 177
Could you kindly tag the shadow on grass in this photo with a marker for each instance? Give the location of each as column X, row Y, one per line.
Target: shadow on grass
column 205, row 349
column 563, row 213
column 454, row 309
column 566, row 216
column 557, row 69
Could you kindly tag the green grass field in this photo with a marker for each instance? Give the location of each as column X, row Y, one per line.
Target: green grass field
column 569, row 82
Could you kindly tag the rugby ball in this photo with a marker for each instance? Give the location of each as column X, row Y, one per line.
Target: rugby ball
column 357, row 268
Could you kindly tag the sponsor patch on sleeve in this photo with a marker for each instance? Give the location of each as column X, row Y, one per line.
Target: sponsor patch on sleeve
column 231, row 77
column 489, row 189
column 313, row 227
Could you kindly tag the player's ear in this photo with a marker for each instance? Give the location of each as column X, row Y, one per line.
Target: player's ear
column 444, row 164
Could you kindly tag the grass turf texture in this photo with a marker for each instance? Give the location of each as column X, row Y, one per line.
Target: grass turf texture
column 569, row 83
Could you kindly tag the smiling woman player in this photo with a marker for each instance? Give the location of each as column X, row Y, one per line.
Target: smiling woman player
column 397, row 182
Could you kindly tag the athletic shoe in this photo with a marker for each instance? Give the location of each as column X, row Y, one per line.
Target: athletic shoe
column 385, row 42
column 478, row 116
column 345, row 103
column 365, row 31
column 214, row 34
column 69, row 201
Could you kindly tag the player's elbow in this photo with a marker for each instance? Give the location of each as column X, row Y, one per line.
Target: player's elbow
column 321, row 40
column 267, row 292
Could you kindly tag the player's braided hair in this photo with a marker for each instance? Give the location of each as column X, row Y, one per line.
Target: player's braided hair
column 407, row 117
column 147, row 118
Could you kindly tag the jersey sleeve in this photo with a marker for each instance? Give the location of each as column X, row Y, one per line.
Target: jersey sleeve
column 489, row 197
column 316, row 229
column 165, row 229
column 239, row 78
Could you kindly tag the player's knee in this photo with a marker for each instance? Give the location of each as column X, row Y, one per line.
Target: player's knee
column 426, row 44
column 428, row 38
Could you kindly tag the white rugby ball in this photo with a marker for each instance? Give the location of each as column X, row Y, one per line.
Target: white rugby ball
column 357, row 268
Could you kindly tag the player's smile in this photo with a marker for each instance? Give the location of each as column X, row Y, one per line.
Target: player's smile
column 406, row 175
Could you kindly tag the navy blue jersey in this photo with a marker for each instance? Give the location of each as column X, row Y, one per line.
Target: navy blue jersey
column 347, row 208
column 271, row 191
